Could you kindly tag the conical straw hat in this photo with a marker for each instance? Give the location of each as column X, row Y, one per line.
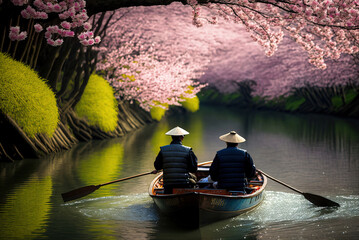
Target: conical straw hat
column 232, row 137
column 177, row 131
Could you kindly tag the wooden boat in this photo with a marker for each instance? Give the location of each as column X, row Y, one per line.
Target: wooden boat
column 195, row 207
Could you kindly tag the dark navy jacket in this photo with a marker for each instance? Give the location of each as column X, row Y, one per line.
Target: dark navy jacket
column 230, row 167
column 176, row 161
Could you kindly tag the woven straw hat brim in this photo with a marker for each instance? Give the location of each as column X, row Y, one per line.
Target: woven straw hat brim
column 177, row 131
column 232, row 137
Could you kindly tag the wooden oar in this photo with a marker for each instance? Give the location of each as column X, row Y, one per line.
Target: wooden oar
column 313, row 198
column 83, row 191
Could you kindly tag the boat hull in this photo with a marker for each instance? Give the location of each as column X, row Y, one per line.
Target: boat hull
column 214, row 208
column 198, row 207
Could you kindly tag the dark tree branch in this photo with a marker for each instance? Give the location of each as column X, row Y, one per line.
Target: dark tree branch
column 96, row 6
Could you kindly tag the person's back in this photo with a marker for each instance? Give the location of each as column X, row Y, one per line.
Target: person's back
column 232, row 166
column 175, row 164
column 177, row 161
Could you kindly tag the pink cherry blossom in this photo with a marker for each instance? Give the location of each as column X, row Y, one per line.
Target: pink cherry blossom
column 16, row 35
column 38, row 27
column 87, row 26
column 50, row 41
column 19, row 2
column 68, row 34
column 65, row 25
column 97, row 39
column 82, row 36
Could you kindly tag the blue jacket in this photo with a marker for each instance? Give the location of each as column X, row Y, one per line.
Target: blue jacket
column 231, row 167
column 176, row 161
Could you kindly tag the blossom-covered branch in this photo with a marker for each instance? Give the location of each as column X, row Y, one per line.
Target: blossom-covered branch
column 70, row 16
column 325, row 29
column 143, row 70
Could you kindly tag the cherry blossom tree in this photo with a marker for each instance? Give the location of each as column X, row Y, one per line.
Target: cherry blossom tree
column 145, row 69
column 324, row 29
column 227, row 50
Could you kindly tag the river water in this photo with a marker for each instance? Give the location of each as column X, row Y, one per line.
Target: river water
column 313, row 153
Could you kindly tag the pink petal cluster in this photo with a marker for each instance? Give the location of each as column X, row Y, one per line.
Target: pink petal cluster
column 19, row 2
column 65, row 25
column 72, row 12
column 38, row 28
column 16, row 35
column 87, row 38
column 54, row 43
column 30, row 12
column 54, row 35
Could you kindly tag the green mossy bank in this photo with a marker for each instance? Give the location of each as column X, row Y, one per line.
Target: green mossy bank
column 32, row 124
column 98, row 104
column 26, row 98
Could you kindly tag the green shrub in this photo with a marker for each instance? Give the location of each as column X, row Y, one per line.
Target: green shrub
column 208, row 95
column 337, row 101
column 191, row 104
column 98, row 104
column 350, row 95
column 230, row 98
column 26, row 98
column 293, row 103
column 157, row 113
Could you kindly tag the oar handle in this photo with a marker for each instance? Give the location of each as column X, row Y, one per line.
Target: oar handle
column 280, row 182
column 126, row 178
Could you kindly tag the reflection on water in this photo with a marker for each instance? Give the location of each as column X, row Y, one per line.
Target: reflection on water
column 94, row 170
column 26, row 208
column 313, row 153
column 159, row 139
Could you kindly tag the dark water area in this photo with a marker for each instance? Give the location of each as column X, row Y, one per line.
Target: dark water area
column 313, row 153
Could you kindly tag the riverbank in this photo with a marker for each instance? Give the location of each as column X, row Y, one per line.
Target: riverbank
column 335, row 100
column 72, row 129
column 15, row 144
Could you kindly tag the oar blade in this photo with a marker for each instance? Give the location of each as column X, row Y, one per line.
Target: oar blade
column 79, row 193
column 320, row 201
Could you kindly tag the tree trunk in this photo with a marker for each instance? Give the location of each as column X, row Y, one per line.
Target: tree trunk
column 15, row 144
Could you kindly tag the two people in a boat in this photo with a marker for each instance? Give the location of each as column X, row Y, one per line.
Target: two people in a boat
column 230, row 168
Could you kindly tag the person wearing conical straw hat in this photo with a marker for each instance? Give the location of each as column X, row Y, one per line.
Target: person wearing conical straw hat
column 232, row 166
column 177, row 161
